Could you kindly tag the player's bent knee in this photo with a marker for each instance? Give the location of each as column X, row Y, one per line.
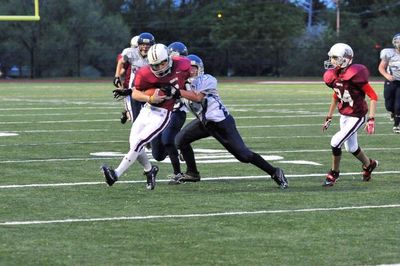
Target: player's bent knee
column 245, row 157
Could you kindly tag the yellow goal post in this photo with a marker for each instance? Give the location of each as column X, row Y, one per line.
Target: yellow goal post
column 35, row 17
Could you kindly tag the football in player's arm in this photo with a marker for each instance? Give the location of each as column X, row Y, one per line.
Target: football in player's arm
column 167, row 74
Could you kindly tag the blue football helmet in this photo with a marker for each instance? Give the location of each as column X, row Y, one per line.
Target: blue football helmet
column 146, row 38
column 177, row 48
column 197, row 62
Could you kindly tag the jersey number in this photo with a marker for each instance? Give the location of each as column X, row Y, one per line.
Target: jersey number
column 345, row 98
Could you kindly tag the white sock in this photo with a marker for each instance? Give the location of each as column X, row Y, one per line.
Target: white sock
column 144, row 160
column 126, row 162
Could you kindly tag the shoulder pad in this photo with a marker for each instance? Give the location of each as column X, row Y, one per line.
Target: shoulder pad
column 387, row 53
column 356, row 73
column 329, row 77
column 205, row 82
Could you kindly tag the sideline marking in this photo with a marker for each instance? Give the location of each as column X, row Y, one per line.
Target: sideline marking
column 7, row 134
column 174, row 216
column 322, row 175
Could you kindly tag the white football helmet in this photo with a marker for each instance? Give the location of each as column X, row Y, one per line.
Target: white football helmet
column 340, row 56
column 159, row 60
column 134, row 41
column 396, row 41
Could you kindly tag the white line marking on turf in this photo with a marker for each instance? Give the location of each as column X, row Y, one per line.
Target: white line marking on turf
column 167, row 180
column 194, row 215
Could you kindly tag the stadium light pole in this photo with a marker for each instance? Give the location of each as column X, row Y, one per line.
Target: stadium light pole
column 337, row 18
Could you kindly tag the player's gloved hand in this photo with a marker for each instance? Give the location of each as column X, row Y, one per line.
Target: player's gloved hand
column 171, row 91
column 120, row 93
column 370, row 126
column 327, row 123
column 117, row 82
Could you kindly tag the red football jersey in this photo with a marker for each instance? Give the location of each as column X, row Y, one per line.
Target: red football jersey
column 127, row 74
column 347, row 86
column 179, row 73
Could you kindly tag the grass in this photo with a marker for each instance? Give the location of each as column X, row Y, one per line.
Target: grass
column 50, row 175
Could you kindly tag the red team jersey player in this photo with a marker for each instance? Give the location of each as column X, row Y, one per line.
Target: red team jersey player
column 169, row 75
column 350, row 85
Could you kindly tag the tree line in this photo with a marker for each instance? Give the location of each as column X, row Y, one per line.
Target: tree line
column 233, row 37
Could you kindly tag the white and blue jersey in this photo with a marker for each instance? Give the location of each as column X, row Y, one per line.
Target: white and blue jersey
column 211, row 108
column 392, row 57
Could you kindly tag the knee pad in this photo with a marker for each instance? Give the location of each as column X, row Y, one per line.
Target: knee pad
column 336, row 151
column 356, row 152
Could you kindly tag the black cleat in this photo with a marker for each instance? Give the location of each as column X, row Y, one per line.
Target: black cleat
column 151, row 177
column 190, row 177
column 109, row 174
column 124, row 117
column 280, row 179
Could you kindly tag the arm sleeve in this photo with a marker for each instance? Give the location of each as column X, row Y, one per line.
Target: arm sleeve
column 370, row 91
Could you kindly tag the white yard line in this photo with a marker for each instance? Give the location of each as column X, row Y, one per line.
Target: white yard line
column 197, row 215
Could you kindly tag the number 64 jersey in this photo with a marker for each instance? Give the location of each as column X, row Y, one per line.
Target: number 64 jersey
column 350, row 86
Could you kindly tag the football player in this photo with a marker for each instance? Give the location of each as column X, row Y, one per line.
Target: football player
column 213, row 119
column 164, row 143
column 135, row 57
column 350, row 85
column 389, row 67
column 169, row 74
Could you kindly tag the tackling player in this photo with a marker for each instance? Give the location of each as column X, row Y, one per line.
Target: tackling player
column 164, row 72
column 213, row 119
column 350, row 85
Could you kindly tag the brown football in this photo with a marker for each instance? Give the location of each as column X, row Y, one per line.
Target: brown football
column 150, row 91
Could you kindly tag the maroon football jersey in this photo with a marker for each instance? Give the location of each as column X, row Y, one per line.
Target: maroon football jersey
column 180, row 72
column 127, row 68
column 347, row 86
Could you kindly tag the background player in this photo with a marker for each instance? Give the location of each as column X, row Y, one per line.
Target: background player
column 213, row 119
column 350, row 85
column 135, row 57
column 389, row 67
column 168, row 74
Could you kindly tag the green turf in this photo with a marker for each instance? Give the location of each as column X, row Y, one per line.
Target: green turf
column 213, row 222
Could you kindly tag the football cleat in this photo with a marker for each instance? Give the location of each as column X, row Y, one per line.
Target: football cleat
column 190, row 177
column 331, row 178
column 124, row 117
column 151, row 177
column 109, row 174
column 176, row 179
column 280, row 179
column 367, row 171
column 396, row 129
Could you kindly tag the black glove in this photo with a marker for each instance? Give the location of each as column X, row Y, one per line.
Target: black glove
column 117, row 82
column 118, row 93
column 171, row 91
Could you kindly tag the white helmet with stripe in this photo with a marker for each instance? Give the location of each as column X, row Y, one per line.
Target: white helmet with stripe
column 159, row 60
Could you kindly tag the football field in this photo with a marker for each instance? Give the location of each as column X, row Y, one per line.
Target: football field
column 55, row 208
